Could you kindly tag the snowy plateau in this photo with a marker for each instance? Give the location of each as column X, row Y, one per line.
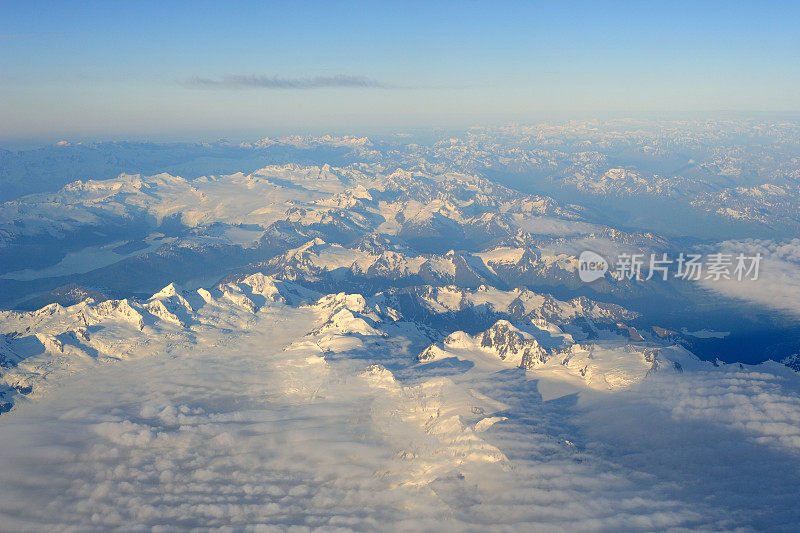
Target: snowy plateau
column 343, row 333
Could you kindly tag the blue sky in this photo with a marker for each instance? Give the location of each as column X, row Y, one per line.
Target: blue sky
column 184, row 69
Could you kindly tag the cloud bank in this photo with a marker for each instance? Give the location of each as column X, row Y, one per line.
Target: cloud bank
column 247, row 435
column 778, row 283
column 253, row 81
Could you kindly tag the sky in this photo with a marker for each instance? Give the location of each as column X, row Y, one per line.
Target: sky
column 185, row 69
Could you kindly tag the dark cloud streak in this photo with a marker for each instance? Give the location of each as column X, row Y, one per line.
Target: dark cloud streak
column 275, row 82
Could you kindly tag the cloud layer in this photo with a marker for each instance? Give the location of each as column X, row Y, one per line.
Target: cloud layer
column 247, row 435
column 778, row 283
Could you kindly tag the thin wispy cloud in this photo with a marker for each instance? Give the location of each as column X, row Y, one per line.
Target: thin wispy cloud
column 252, row 81
column 41, row 35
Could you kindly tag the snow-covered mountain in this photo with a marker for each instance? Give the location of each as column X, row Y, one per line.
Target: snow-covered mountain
column 392, row 226
column 350, row 332
column 55, row 338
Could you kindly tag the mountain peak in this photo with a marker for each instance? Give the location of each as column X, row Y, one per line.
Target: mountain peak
column 512, row 344
column 166, row 292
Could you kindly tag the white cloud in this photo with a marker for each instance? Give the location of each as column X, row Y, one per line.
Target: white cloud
column 726, row 437
column 778, row 283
